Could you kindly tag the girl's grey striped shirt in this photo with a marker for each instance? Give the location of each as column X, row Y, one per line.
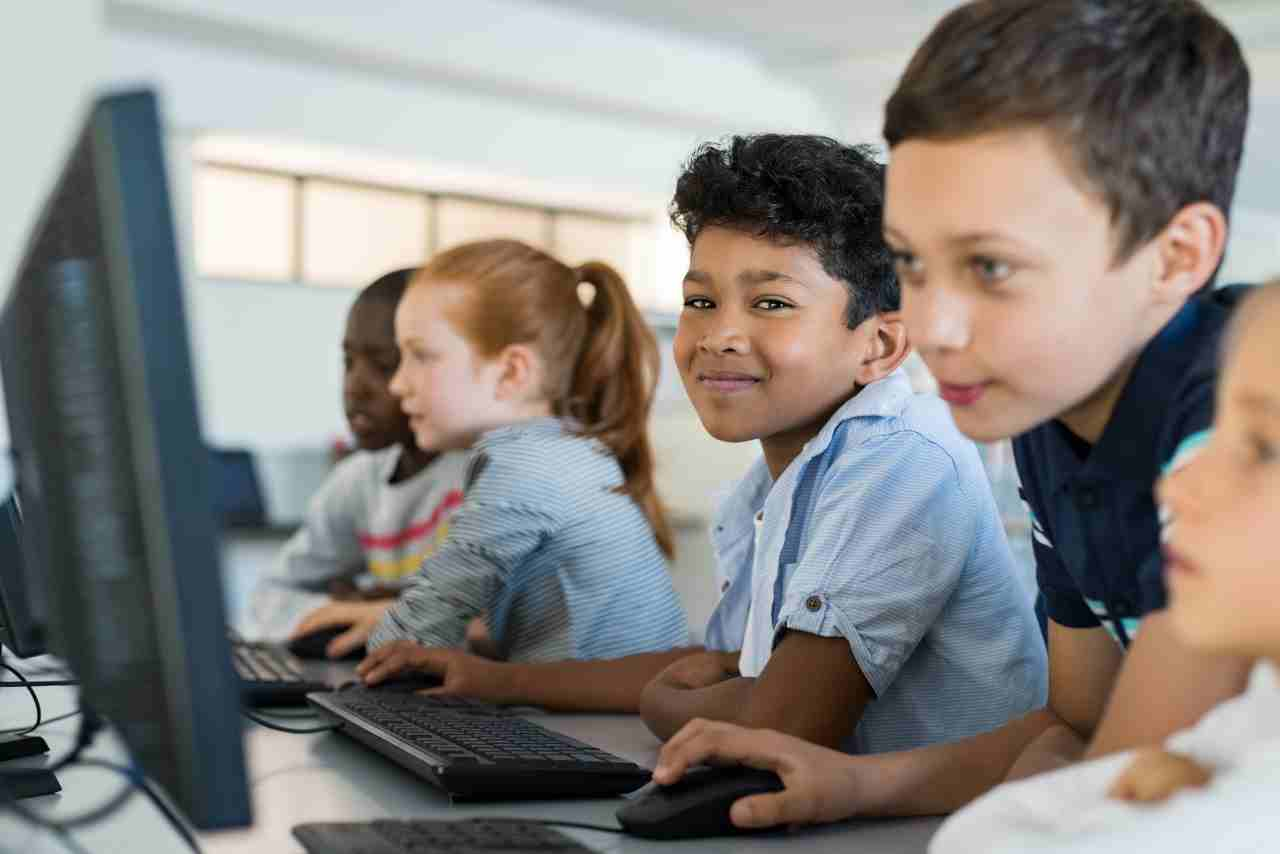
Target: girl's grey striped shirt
column 563, row 564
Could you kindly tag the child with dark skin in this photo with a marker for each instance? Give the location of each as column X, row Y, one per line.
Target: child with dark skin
column 327, row 554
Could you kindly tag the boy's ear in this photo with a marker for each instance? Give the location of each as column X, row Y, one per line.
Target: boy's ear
column 519, row 373
column 1189, row 250
column 887, row 347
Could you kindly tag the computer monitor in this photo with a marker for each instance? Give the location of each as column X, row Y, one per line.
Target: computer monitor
column 20, row 629
column 110, row 469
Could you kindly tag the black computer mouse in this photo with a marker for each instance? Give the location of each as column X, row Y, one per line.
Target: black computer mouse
column 313, row 644
column 696, row 806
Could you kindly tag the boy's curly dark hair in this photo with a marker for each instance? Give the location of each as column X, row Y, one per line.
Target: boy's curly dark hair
column 797, row 189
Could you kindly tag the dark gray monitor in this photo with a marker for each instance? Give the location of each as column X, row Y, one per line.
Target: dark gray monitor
column 20, row 629
column 112, row 476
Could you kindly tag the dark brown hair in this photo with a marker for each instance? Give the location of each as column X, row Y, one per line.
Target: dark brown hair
column 601, row 360
column 1147, row 99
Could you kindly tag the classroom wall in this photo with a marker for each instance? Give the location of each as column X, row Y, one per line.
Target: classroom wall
column 61, row 44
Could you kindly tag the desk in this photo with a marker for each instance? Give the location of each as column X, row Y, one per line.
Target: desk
column 328, row 777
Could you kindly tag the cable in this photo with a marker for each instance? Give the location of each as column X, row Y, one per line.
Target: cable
column 47, row 721
column 35, row 699
column 549, row 822
column 69, row 842
column 144, row 785
column 27, row 683
column 261, row 721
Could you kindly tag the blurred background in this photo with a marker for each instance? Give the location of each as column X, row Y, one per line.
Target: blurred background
column 314, row 145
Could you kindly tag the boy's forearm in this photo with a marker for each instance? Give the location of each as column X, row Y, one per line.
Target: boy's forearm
column 942, row 778
column 666, row 708
column 606, row 685
column 1056, row 747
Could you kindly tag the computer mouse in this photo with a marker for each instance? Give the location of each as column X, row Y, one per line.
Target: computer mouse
column 313, row 644
column 696, row 806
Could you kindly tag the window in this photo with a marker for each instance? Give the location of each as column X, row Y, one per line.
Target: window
column 464, row 220
column 266, row 226
column 244, row 224
column 352, row 234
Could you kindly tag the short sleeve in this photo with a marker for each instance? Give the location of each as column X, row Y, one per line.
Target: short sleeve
column 491, row 537
column 886, row 543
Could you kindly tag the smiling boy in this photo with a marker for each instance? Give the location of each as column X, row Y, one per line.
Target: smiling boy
column 868, row 598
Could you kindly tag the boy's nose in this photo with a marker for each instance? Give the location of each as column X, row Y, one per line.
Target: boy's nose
column 724, row 340
column 936, row 320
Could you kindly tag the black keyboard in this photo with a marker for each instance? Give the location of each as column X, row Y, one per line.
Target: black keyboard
column 472, row 753
column 270, row 675
column 473, row 836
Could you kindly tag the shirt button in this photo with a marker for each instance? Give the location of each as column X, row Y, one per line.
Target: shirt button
column 724, row 587
column 813, row 603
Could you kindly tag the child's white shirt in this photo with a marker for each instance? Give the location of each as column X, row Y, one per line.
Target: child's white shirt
column 1068, row 810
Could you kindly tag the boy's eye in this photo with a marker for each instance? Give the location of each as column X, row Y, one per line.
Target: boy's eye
column 905, row 264
column 771, row 304
column 990, row 270
column 1261, row 449
column 701, row 303
column 347, row 362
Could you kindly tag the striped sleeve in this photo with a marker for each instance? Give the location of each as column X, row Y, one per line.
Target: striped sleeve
column 490, row 540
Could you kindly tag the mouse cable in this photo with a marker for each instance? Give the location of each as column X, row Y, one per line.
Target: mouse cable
column 269, row 724
column 26, row 683
column 552, row 822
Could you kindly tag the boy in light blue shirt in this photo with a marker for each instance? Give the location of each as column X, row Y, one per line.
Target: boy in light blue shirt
column 868, row 597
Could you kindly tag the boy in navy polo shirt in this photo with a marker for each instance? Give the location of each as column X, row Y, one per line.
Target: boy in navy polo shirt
column 1057, row 194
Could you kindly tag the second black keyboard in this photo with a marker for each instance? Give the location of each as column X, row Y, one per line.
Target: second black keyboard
column 474, row 754
column 270, row 675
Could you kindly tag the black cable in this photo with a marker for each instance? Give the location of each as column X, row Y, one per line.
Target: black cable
column 261, row 721
column 27, row 683
column 549, row 822
column 47, row 721
column 35, row 699
column 69, row 842
column 145, row 787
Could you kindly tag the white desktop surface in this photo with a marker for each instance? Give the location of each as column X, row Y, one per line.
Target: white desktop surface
column 328, row 777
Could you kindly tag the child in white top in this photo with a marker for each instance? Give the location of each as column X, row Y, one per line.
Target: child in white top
column 1212, row 787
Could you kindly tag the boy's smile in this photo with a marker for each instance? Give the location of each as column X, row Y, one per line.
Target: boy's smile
column 762, row 345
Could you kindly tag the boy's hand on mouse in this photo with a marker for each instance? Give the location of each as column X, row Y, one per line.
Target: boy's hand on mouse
column 359, row 618
column 462, row 673
column 701, row 670
column 820, row 784
column 1157, row 774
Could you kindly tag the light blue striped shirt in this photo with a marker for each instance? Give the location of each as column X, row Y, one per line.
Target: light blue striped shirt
column 884, row 531
column 564, row 565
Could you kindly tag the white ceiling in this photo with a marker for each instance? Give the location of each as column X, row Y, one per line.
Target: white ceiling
column 814, row 31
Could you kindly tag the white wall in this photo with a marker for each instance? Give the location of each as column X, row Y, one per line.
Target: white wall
column 50, row 56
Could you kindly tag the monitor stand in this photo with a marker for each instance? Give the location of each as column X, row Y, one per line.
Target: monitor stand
column 25, row 782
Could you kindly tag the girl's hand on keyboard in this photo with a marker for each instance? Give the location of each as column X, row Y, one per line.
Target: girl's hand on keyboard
column 359, row 619
column 462, row 673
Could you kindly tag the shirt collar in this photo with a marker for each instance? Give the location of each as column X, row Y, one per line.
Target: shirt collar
column 1125, row 448
column 885, row 398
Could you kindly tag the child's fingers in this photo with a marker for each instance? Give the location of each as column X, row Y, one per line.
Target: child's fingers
column 701, row 742
column 321, row 618
column 776, row 808
column 352, row 638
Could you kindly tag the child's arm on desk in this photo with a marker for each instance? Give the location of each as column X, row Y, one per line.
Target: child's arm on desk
column 811, row 688
column 606, row 685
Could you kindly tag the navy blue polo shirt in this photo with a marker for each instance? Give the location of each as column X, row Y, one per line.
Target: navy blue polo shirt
column 1094, row 521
